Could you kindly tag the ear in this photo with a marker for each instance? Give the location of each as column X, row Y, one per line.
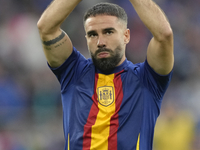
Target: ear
column 126, row 36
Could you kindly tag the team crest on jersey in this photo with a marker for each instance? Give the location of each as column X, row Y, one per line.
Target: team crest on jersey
column 105, row 95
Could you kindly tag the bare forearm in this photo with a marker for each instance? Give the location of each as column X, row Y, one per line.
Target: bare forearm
column 55, row 14
column 153, row 18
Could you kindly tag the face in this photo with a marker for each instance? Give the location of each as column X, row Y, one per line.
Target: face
column 106, row 37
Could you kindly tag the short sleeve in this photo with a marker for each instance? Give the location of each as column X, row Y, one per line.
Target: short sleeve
column 157, row 84
column 71, row 69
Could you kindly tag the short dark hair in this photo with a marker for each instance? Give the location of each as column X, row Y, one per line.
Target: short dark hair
column 105, row 8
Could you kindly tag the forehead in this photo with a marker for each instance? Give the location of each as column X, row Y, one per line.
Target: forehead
column 101, row 22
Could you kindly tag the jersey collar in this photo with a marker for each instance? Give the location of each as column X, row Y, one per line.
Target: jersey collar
column 117, row 69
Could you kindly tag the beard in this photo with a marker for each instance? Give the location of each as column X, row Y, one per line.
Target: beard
column 107, row 65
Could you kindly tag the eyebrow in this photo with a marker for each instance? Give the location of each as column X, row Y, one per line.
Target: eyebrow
column 108, row 29
column 91, row 32
column 104, row 30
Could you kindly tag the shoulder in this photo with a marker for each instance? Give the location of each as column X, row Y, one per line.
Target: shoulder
column 144, row 71
column 76, row 61
column 135, row 68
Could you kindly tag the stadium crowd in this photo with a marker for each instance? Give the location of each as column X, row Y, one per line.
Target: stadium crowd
column 30, row 105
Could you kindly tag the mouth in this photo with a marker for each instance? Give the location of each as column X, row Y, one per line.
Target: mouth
column 103, row 54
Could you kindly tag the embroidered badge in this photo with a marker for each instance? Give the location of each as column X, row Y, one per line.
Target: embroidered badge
column 105, row 95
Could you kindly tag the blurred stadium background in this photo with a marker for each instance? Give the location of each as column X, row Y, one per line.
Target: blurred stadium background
column 30, row 105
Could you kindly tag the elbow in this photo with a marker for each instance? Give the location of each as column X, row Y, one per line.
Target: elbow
column 165, row 35
column 168, row 33
column 44, row 27
column 41, row 26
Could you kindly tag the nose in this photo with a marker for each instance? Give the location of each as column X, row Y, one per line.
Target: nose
column 101, row 42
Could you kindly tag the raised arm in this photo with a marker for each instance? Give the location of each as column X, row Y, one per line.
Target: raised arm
column 57, row 45
column 160, row 50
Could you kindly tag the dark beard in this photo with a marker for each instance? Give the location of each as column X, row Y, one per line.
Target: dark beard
column 107, row 65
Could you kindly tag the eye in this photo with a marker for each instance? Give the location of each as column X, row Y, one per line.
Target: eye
column 109, row 32
column 92, row 35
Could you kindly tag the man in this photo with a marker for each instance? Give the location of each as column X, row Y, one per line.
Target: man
column 108, row 102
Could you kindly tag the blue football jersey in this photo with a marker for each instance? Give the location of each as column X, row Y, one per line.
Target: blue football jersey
column 116, row 111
